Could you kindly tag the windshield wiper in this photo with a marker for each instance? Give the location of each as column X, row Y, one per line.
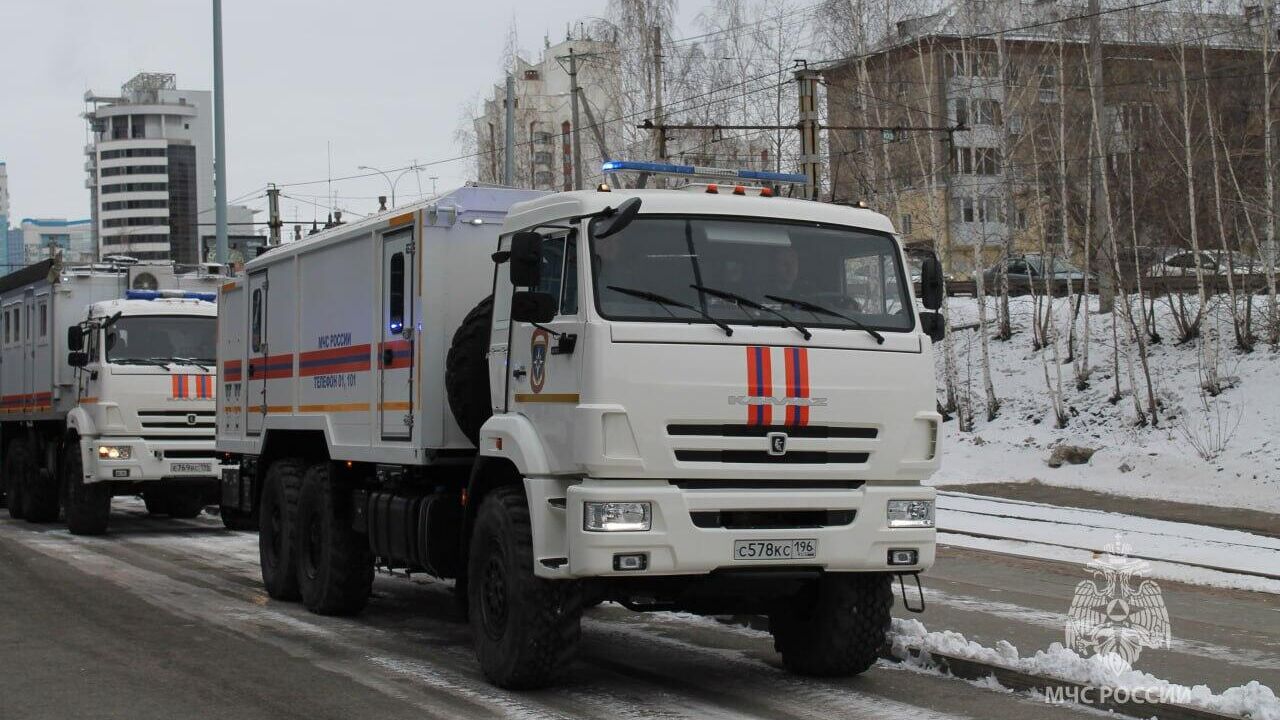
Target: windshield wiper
column 157, row 362
column 665, row 301
column 201, row 363
column 748, row 302
column 818, row 309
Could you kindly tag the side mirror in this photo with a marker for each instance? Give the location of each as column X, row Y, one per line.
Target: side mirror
column 931, row 283
column 606, row 225
column 533, row 307
column 933, row 325
column 75, row 338
column 526, row 259
column 78, row 358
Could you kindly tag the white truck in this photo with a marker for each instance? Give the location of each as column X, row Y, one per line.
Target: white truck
column 106, row 388
column 716, row 401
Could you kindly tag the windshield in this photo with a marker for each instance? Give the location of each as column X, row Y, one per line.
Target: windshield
column 161, row 337
column 854, row 273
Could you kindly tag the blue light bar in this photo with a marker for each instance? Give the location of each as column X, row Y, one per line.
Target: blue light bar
column 157, row 294
column 654, row 168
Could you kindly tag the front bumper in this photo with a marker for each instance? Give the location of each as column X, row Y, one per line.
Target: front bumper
column 677, row 546
column 178, row 459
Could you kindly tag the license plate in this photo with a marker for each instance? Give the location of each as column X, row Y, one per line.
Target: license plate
column 191, row 467
column 774, row 549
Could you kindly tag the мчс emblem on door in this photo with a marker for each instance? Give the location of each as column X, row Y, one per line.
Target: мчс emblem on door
column 777, row 443
column 539, row 347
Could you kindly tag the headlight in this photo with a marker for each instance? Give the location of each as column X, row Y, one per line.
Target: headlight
column 617, row 516
column 910, row 513
column 114, row 452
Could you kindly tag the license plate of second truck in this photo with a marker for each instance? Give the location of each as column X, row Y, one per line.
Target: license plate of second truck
column 774, row 549
column 191, row 467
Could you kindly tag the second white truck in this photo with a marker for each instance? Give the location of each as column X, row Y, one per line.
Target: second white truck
column 107, row 385
column 710, row 400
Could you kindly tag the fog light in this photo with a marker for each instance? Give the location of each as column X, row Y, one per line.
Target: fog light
column 631, row 562
column 910, row 513
column 617, row 516
column 903, row 556
column 114, row 452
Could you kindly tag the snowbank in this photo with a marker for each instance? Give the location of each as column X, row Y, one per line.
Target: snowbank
column 1253, row 700
column 1132, row 461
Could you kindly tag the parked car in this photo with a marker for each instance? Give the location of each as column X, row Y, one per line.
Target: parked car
column 1026, row 269
column 1183, row 262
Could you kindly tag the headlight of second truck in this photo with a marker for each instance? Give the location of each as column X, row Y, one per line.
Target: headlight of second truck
column 114, row 452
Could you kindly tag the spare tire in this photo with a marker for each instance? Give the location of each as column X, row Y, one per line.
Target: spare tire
column 466, row 373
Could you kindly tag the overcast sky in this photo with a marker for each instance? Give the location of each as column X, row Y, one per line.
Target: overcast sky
column 384, row 81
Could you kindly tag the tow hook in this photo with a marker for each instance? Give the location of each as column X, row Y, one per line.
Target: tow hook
column 902, row 586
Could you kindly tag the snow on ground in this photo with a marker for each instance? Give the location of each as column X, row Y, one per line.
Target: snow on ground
column 1204, row 554
column 1148, row 462
column 1253, row 700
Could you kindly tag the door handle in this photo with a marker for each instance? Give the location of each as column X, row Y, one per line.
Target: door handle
column 251, row 369
column 519, row 372
column 388, row 355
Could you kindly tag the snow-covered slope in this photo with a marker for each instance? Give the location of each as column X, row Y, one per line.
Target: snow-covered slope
column 1147, row 462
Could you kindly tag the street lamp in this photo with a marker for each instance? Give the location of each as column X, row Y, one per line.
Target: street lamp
column 385, row 176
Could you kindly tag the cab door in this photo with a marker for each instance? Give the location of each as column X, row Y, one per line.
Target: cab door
column 545, row 363
column 395, row 350
column 255, row 394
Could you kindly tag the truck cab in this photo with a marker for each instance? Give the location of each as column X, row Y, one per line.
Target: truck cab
column 145, row 392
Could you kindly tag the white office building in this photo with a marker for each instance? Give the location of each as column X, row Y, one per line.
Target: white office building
column 44, row 238
column 150, row 167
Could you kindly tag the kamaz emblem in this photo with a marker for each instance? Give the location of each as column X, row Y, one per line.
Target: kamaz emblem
column 777, row 443
column 191, row 419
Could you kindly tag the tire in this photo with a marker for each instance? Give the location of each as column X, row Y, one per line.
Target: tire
column 335, row 566
column 525, row 629
column 40, row 492
column 277, row 541
column 12, row 480
column 838, row 629
column 88, row 505
column 185, row 504
column 157, row 503
column 466, row 374
column 233, row 519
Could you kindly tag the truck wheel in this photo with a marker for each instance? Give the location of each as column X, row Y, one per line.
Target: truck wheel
column 13, row 481
column 525, row 628
column 157, row 504
column 466, row 373
column 88, row 505
column 840, row 629
column 233, row 519
column 277, row 541
column 185, row 504
column 40, row 491
column 335, row 566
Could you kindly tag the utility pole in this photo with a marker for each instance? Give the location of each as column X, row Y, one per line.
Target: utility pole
column 273, row 213
column 219, row 138
column 509, row 141
column 810, row 161
column 660, row 137
column 1106, row 280
column 576, row 135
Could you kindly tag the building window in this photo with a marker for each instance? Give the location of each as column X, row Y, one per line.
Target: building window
column 1161, row 79
column 964, row 209
column 1048, row 83
column 905, row 227
column 980, row 210
column 977, row 161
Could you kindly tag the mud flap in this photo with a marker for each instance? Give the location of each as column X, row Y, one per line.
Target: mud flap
column 902, row 587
